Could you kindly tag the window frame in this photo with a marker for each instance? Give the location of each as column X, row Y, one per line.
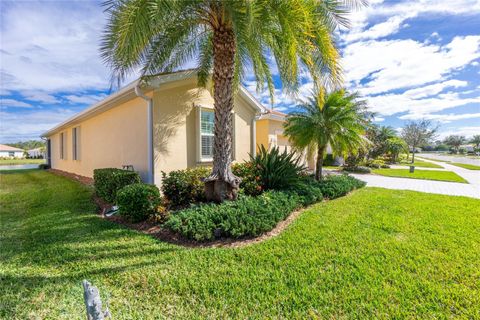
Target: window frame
column 76, row 143
column 62, row 145
column 201, row 157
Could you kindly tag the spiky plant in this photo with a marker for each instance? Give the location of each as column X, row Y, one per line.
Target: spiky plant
column 156, row 36
column 337, row 119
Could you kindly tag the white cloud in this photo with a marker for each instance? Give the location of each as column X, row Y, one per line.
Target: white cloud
column 52, row 46
column 378, row 119
column 390, row 26
column 440, row 117
column 39, row 96
column 397, row 64
column 12, row 103
column 462, row 131
column 15, row 126
column 433, row 89
column 84, row 99
column 390, row 104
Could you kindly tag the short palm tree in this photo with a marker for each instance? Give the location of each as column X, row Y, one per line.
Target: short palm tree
column 229, row 37
column 337, row 119
column 476, row 142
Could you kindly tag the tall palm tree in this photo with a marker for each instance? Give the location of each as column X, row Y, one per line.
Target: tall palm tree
column 231, row 37
column 337, row 119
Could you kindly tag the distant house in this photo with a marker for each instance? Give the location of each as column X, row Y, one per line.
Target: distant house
column 36, row 153
column 163, row 125
column 10, row 152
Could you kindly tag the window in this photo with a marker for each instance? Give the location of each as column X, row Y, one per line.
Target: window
column 62, row 145
column 76, row 143
column 11, row 154
column 207, row 118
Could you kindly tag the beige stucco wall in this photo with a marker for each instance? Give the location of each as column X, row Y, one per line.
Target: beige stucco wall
column 110, row 139
column 176, row 131
column 119, row 136
column 270, row 134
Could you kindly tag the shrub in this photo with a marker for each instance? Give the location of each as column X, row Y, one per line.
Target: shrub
column 308, row 190
column 183, row 187
column 384, row 166
column 329, row 160
column 43, row 166
column 357, row 169
column 277, row 170
column 108, row 181
column 248, row 216
column 138, row 201
column 250, row 175
column 335, row 186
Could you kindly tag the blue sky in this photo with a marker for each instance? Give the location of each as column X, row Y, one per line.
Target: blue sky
column 410, row 59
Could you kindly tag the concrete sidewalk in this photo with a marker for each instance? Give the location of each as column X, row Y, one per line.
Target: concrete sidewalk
column 472, row 189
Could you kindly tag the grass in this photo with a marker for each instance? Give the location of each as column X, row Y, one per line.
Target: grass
column 466, row 166
column 421, row 174
column 420, row 163
column 8, row 162
column 376, row 253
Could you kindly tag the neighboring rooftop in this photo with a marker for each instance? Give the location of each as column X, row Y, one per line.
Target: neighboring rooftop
column 4, row 147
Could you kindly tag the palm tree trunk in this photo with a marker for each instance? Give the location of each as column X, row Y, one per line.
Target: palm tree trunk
column 319, row 164
column 222, row 184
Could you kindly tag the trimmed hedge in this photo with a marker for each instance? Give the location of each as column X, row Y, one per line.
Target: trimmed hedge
column 108, row 181
column 183, row 187
column 137, row 202
column 251, row 216
column 357, row 169
column 335, row 186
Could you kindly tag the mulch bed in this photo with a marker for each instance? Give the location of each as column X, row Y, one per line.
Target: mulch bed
column 156, row 231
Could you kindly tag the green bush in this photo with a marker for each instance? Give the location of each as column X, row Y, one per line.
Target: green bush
column 43, row 166
column 184, row 187
column 250, row 175
column 329, row 160
column 137, row 202
column 108, row 181
column 335, row 186
column 357, row 169
column 251, row 216
column 248, row 216
column 278, row 170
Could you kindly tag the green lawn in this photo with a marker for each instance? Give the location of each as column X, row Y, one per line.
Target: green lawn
column 420, row 163
column 6, row 162
column 373, row 254
column 466, row 166
column 421, row 174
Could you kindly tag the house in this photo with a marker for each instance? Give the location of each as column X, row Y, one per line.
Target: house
column 36, row 153
column 163, row 125
column 10, row 152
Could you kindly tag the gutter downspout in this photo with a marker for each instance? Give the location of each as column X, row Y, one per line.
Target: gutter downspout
column 139, row 93
column 254, row 134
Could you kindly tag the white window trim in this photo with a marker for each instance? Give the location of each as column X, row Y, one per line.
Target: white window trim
column 199, row 109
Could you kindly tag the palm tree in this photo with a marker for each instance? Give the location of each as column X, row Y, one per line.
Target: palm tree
column 455, row 141
column 337, row 119
column 476, row 141
column 156, row 36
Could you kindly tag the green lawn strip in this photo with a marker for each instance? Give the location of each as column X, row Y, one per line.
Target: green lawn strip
column 375, row 253
column 420, row 163
column 7, row 162
column 421, row 174
column 466, row 166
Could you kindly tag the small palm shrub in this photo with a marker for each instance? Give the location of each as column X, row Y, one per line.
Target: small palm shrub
column 277, row 170
column 357, row 169
column 250, row 175
column 184, row 187
column 137, row 202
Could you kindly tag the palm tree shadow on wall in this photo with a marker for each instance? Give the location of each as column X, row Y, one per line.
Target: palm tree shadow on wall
column 168, row 121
